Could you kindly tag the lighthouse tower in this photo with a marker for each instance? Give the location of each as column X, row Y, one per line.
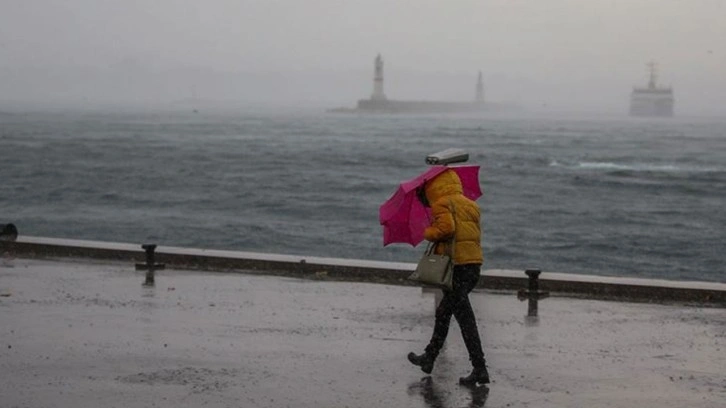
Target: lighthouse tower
column 480, row 89
column 378, row 94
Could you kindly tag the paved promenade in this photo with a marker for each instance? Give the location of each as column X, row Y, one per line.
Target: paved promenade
column 84, row 334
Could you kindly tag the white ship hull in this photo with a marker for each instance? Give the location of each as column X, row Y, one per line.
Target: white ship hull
column 657, row 103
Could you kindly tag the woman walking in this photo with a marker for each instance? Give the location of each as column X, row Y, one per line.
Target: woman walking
column 455, row 216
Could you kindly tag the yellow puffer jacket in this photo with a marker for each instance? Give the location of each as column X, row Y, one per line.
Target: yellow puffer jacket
column 442, row 192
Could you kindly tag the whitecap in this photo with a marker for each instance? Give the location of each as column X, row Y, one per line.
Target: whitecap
column 649, row 167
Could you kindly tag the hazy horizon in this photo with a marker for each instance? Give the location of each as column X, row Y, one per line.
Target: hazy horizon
column 559, row 55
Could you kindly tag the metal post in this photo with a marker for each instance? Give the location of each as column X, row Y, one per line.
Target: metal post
column 149, row 263
column 533, row 289
column 533, row 294
column 150, row 266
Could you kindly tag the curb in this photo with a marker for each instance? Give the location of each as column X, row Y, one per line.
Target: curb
column 586, row 286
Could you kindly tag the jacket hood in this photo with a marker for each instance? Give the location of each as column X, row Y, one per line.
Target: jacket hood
column 445, row 184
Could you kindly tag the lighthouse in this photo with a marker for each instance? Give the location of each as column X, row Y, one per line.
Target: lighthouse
column 480, row 89
column 378, row 94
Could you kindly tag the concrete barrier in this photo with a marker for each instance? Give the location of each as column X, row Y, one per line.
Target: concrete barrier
column 589, row 286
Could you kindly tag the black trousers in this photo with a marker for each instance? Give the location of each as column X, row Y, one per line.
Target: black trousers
column 456, row 303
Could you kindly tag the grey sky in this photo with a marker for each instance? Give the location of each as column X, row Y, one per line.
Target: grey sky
column 559, row 54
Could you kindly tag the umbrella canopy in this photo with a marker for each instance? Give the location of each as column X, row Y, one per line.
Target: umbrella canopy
column 404, row 218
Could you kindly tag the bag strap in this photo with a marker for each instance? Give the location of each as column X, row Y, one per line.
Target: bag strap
column 453, row 237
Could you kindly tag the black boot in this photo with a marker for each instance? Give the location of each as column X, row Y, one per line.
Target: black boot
column 479, row 375
column 424, row 361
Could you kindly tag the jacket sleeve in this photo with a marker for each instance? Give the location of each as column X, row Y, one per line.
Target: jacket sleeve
column 442, row 226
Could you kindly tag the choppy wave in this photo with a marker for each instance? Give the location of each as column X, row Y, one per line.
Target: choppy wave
column 639, row 167
column 614, row 198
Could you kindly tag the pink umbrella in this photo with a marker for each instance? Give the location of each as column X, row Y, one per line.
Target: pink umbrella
column 404, row 218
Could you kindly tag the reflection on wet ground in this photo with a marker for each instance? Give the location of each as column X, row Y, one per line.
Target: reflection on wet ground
column 435, row 396
column 81, row 334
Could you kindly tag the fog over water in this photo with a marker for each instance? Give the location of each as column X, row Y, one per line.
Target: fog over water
column 551, row 55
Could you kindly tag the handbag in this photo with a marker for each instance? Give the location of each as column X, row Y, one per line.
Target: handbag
column 436, row 270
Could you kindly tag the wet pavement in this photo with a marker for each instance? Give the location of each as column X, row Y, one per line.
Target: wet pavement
column 83, row 334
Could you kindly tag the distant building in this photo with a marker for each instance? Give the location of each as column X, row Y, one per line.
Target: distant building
column 379, row 103
column 653, row 101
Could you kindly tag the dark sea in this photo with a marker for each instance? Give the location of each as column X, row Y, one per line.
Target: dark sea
column 604, row 196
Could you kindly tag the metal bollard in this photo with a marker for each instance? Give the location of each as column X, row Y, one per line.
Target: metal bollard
column 8, row 232
column 533, row 294
column 150, row 266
